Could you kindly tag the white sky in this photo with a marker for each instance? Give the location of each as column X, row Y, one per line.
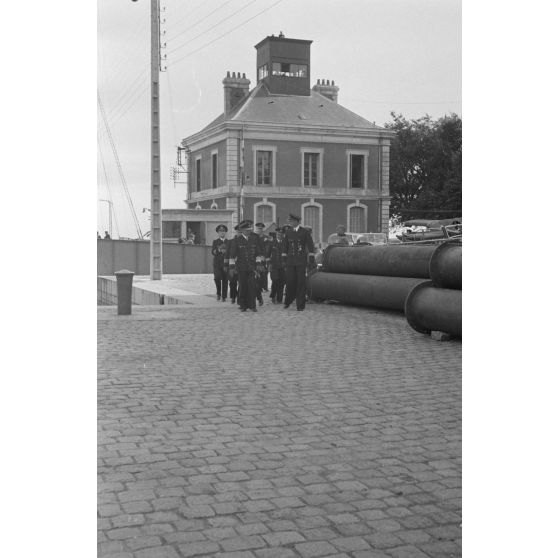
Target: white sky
column 400, row 55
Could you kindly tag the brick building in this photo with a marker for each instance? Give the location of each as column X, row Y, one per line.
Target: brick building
column 287, row 147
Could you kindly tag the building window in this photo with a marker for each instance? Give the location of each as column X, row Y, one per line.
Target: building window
column 312, row 215
column 263, row 72
column 264, row 157
column 198, row 174
column 214, row 169
column 264, row 214
column 171, row 229
column 311, row 169
column 289, row 70
column 311, row 218
column 357, row 169
column 357, row 172
column 357, row 219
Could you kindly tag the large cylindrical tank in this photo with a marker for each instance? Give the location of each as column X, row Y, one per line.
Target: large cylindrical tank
column 428, row 308
column 391, row 260
column 364, row 290
column 445, row 265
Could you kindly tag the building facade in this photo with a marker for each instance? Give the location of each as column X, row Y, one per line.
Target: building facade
column 284, row 147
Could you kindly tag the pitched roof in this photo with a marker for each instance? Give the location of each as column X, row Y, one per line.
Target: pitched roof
column 262, row 106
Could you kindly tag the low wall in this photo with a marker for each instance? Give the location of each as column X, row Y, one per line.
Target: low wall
column 114, row 255
column 107, row 294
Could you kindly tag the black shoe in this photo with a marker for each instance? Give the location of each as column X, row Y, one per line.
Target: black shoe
column 223, row 300
column 286, row 305
column 233, row 300
column 254, row 309
column 260, row 301
column 243, row 309
column 218, row 297
column 300, row 309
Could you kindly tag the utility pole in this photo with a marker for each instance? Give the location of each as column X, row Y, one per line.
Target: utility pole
column 156, row 237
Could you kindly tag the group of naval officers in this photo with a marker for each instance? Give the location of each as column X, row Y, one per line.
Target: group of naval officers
column 241, row 264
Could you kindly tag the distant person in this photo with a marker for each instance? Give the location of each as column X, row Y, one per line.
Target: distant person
column 107, row 235
column 98, row 235
column 341, row 238
column 218, row 251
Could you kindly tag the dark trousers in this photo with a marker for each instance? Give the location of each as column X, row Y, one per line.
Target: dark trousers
column 277, row 284
column 246, row 289
column 234, row 286
column 263, row 281
column 221, row 282
column 296, row 285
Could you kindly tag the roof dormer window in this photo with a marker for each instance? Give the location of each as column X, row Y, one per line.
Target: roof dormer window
column 289, row 70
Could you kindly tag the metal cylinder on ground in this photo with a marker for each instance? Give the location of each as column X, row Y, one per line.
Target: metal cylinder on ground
column 364, row 290
column 428, row 308
column 445, row 265
column 391, row 260
column 124, row 279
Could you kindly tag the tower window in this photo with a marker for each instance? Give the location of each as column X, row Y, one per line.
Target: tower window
column 289, row 70
column 263, row 71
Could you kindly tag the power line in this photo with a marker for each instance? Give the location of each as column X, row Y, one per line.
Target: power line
column 119, row 166
column 132, row 101
column 200, row 20
column 129, row 93
column 111, row 207
column 224, row 34
column 212, row 27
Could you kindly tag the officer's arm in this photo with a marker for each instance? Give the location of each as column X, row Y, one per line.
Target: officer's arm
column 214, row 248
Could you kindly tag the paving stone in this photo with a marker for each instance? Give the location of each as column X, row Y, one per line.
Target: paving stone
column 350, row 544
column 198, row 548
column 313, row 549
column 283, row 538
column 407, row 551
column 344, row 438
column 158, row 552
column 245, row 542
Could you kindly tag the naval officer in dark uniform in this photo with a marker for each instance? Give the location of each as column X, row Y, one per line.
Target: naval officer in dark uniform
column 219, row 250
column 246, row 258
column 298, row 255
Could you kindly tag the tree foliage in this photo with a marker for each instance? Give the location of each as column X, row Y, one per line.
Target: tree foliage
column 425, row 165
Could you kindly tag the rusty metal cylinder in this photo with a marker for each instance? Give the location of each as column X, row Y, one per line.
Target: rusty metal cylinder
column 363, row 290
column 428, row 308
column 445, row 266
column 392, row 260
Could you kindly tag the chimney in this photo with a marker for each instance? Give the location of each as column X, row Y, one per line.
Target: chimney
column 326, row 89
column 236, row 89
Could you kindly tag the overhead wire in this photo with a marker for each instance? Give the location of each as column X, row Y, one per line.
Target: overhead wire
column 119, row 166
column 224, row 34
column 108, row 185
column 212, row 27
column 200, row 20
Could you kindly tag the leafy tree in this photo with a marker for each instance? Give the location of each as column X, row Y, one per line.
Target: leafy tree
column 425, row 166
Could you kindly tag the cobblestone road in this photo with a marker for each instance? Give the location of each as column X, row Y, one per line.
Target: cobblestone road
column 341, row 438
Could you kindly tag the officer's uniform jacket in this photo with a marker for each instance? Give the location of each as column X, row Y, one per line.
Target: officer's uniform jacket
column 219, row 257
column 245, row 252
column 275, row 251
column 297, row 245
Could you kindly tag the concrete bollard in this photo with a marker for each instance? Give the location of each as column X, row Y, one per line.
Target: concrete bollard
column 124, row 280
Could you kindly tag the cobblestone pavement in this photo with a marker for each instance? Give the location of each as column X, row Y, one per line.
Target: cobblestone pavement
column 341, row 438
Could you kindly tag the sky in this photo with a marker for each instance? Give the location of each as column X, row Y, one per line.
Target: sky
column 385, row 55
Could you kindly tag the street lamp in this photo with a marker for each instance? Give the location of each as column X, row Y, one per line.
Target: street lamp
column 111, row 210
